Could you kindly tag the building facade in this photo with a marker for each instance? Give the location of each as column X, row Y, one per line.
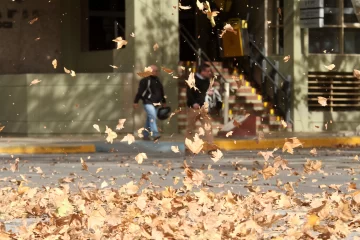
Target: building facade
column 79, row 34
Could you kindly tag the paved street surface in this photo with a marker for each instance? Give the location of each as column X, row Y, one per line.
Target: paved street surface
column 234, row 172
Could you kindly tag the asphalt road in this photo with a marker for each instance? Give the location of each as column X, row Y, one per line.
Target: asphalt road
column 233, row 172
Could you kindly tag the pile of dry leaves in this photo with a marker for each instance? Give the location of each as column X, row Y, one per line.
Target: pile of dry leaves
column 141, row 210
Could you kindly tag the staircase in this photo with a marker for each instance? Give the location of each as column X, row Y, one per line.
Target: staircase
column 244, row 99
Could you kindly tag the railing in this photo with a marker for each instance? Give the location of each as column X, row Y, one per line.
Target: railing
column 275, row 87
column 202, row 55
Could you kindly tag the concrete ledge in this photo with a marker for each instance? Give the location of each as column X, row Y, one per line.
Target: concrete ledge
column 48, row 149
column 279, row 143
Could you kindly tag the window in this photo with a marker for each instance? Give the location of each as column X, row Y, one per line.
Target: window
column 105, row 22
column 275, row 25
column 341, row 31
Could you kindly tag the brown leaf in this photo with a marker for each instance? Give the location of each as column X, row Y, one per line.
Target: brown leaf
column 290, row 144
column 228, row 134
column 284, row 124
column 280, row 162
column 191, row 81
column 216, row 155
column 147, row 72
column 184, row 7
column 2, row 128
column 38, row 170
column 120, row 124
column 140, row 158
column 67, row 70
column 194, row 146
column 268, row 172
column 128, row 138
column 54, row 63
column 132, row 34
column 35, row 81
column 111, row 135
column 312, row 166
column 156, row 47
column 96, row 127
column 15, row 167
column 33, row 20
column 98, row 170
column 115, row 67
column 175, row 149
column 313, row 152
column 167, row 70
column 356, row 74
column 83, row 164
column 120, row 42
column 330, row 67
column 322, row 101
column 287, row 58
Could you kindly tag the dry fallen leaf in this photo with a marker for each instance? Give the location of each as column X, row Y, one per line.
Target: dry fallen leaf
column 330, row 67
column 287, row 58
column 128, row 138
column 284, row 124
column 98, row 170
column 96, row 127
column 83, row 164
column 132, row 34
column 67, row 70
column 200, row 5
column 2, row 128
column 322, row 101
column 356, row 74
column 227, row 28
column 268, row 172
column 175, row 149
column 216, row 155
column 312, row 166
column 194, row 146
column 120, row 124
column 35, row 81
column 191, row 81
column 140, row 158
column 156, row 46
column 290, row 144
column 33, row 20
column 54, row 63
column 356, row 158
column 184, row 7
column 228, row 134
column 115, row 67
column 111, row 135
column 313, row 152
column 147, row 72
column 104, row 184
column 167, row 70
column 72, row 73
column 120, row 42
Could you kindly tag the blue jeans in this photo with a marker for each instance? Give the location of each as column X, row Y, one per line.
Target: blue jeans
column 150, row 125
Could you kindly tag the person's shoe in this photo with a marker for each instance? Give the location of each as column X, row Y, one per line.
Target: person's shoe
column 154, row 139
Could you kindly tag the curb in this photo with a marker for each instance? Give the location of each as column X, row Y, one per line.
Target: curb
column 48, row 149
column 331, row 142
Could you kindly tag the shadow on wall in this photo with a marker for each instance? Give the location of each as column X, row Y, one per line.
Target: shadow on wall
column 61, row 104
column 159, row 28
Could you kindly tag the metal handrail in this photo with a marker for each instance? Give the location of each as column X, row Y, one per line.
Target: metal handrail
column 191, row 41
column 270, row 63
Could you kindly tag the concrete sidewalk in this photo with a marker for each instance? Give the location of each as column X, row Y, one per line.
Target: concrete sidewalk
column 91, row 144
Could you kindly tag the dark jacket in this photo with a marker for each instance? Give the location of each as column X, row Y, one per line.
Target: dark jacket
column 154, row 95
column 197, row 96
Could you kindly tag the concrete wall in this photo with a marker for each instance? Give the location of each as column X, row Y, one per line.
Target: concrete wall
column 61, row 104
column 61, row 27
column 20, row 52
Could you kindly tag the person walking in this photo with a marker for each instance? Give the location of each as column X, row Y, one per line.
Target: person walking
column 151, row 92
column 198, row 110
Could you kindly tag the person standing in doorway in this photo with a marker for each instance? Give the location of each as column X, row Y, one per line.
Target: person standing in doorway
column 151, row 92
column 197, row 110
